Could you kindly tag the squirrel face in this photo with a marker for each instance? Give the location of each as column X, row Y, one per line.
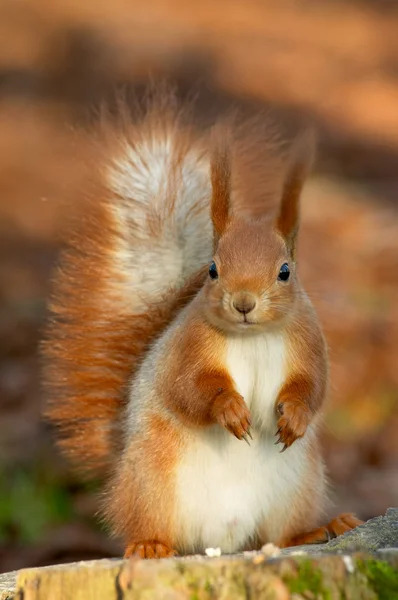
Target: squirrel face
column 252, row 280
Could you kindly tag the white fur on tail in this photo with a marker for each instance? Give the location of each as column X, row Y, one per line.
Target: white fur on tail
column 147, row 178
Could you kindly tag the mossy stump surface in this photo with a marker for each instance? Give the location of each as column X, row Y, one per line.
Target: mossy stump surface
column 317, row 573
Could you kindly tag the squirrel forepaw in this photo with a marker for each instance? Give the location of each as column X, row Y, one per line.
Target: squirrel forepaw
column 294, row 417
column 231, row 412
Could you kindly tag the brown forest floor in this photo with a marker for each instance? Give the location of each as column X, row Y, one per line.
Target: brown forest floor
column 333, row 63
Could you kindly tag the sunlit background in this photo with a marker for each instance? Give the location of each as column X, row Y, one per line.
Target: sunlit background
column 332, row 63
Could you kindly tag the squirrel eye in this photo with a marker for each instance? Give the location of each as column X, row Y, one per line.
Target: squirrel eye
column 213, row 271
column 284, row 272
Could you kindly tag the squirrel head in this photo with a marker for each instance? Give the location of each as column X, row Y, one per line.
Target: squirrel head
column 252, row 282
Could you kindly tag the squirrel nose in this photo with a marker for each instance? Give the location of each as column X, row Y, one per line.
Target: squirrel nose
column 244, row 303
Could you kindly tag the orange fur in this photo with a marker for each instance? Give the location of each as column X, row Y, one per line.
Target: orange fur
column 139, row 497
column 95, row 337
column 304, row 391
column 197, row 357
column 221, row 185
column 96, row 353
column 299, row 166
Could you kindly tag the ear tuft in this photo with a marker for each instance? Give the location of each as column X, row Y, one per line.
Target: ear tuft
column 300, row 162
column 220, row 167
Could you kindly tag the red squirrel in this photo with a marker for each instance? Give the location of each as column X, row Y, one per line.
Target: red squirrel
column 184, row 359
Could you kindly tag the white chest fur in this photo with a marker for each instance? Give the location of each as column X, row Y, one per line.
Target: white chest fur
column 256, row 363
column 226, row 490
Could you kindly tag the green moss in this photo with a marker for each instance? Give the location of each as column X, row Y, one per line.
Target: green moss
column 308, row 579
column 382, row 577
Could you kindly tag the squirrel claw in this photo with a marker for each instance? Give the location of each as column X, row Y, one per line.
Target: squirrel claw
column 294, row 421
column 249, row 433
column 244, row 437
column 285, row 447
column 230, row 411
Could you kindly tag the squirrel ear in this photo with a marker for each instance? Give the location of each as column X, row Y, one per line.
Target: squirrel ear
column 220, row 168
column 300, row 162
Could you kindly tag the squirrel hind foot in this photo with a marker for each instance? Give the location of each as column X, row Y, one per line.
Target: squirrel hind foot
column 148, row 549
column 337, row 526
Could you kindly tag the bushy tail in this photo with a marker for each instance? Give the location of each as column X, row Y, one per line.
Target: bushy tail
column 133, row 262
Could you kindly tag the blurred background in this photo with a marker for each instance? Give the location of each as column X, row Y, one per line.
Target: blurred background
column 332, row 63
